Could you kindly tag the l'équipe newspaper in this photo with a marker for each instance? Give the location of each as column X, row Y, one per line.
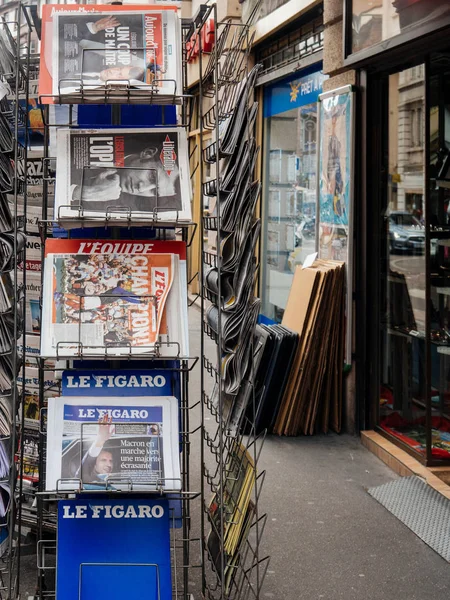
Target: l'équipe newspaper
column 114, row 297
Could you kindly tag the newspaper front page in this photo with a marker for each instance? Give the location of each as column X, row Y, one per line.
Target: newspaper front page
column 104, row 294
column 128, row 48
column 114, row 442
column 123, row 174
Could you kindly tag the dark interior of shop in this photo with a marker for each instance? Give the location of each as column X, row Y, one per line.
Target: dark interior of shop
column 415, row 267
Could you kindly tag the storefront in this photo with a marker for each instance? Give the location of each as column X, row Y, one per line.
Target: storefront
column 402, row 54
column 289, row 157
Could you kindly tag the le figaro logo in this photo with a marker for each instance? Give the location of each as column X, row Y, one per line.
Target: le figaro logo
column 168, row 156
column 108, row 511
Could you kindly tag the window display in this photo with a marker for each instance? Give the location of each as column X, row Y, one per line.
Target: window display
column 415, row 306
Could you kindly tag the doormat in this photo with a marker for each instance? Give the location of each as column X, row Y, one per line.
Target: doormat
column 421, row 508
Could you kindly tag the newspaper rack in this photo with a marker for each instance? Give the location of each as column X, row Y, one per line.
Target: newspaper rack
column 235, row 569
column 185, row 545
column 14, row 75
column 235, row 566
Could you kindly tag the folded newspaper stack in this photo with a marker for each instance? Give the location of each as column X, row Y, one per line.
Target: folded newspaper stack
column 231, row 280
column 116, row 54
column 117, row 443
column 6, row 414
column 122, row 175
column 114, row 298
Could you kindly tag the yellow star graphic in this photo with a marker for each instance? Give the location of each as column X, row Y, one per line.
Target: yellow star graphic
column 294, row 91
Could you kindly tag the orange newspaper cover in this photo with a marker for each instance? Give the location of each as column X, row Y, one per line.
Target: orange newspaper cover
column 109, row 293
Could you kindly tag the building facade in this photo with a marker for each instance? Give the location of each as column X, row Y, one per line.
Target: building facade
column 394, row 56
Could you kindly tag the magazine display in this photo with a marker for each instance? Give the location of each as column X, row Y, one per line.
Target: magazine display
column 117, row 52
column 237, row 509
column 122, row 174
column 34, row 174
column 113, row 442
column 111, row 298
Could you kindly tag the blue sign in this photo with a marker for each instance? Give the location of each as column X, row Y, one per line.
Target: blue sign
column 113, row 549
column 154, row 382
column 293, row 92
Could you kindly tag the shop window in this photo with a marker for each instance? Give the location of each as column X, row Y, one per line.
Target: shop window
column 403, row 389
column 373, row 22
column 289, row 186
column 438, row 221
column 414, row 307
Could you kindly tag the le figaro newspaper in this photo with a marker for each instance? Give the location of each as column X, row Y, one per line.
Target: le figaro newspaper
column 107, row 297
column 111, row 441
column 89, row 47
column 122, row 174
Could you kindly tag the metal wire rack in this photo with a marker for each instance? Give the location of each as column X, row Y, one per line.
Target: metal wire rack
column 185, row 542
column 234, row 566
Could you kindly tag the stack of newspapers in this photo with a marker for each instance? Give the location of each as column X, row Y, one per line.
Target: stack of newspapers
column 234, row 309
column 114, row 54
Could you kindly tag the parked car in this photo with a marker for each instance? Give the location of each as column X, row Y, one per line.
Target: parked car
column 405, row 232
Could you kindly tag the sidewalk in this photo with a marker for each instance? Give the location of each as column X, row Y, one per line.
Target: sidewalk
column 326, row 536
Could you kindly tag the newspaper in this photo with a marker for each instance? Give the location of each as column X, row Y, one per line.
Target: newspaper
column 33, row 266
column 109, row 297
column 128, row 54
column 236, row 283
column 6, row 292
column 236, row 364
column 122, row 174
column 236, row 106
column 113, row 442
column 34, row 174
column 6, row 414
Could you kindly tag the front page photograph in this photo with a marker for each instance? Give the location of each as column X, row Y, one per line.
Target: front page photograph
column 106, row 295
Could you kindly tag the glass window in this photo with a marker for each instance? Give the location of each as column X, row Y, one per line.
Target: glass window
column 374, row 21
column 289, row 185
column 403, row 392
column 439, row 223
column 290, row 199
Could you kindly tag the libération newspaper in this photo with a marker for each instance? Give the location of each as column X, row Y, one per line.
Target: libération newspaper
column 122, row 174
column 96, row 47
